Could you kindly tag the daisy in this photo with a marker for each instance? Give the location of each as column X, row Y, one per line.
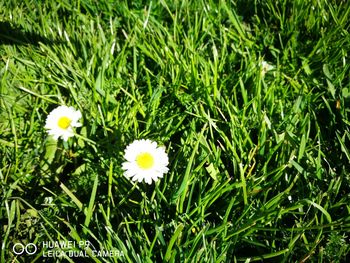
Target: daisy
column 145, row 161
column 60, row 122
column 265, row 67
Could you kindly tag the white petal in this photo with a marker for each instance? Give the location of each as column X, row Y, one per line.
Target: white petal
column 51, row 123
column 131, row 168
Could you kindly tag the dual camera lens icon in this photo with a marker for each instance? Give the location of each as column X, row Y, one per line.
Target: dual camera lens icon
column 29, row 249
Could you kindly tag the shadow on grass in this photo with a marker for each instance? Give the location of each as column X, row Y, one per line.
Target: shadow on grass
column 15, row 35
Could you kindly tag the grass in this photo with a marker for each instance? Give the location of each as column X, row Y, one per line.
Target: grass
column 259, row 160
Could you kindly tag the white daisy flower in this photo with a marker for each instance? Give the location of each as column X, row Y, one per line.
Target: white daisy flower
column 265, row 67
column 145, row 161
column 60, row 122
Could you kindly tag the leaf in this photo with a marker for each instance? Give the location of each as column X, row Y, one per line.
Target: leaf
column 302, row 147
column 172, row 241
column 90, row 209
column 306, row 67
column 213, row 172
column 329, row 80
column 297, row 166
column 71, row 195
column 343, row 147
column 50, row 152
column 345, row 92
column 328, row 216
column 50, row 149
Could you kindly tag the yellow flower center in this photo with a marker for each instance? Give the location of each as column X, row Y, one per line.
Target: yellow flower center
column 145, row 160
column 64, row 122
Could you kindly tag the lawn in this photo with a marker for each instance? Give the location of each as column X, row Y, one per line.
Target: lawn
column 249, row 100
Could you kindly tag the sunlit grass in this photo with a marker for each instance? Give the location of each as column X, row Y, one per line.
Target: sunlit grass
column 258, row 156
